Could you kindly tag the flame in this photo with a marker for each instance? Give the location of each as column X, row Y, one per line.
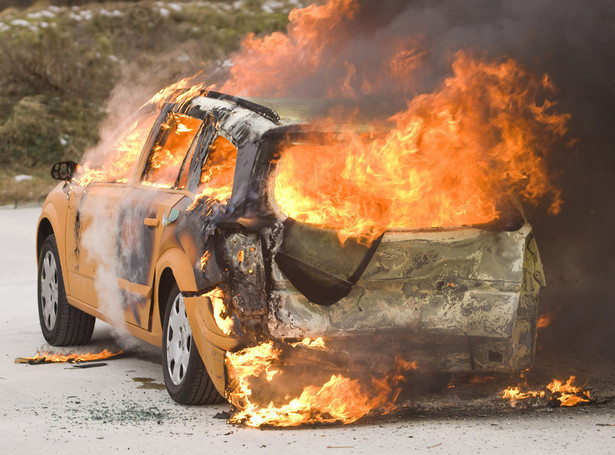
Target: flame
column 452, row 155
column 338, row 399
column 565, row 394
column 119, row 162
column 543, row 321
column 46, row 357
column 218, row 172
column 180, row 92
column 283, row 60
column 317, row 343
column 223, row 320
column 166, row 160
column 514, row 394
column 204, row 259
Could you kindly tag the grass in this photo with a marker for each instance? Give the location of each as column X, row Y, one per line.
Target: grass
column 62, row 60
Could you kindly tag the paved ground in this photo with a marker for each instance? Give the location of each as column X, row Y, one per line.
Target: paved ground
column 123, row 407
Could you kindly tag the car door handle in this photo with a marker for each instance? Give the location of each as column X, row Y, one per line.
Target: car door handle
column 152, row 222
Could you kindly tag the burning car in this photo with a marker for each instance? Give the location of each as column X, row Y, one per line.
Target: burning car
column 189, row 235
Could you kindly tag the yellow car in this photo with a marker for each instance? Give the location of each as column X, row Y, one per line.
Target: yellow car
column 174, row 235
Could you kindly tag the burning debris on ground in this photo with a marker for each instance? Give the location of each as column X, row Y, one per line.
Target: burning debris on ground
column 556, row 392
column 47, row 357
column 304, row 257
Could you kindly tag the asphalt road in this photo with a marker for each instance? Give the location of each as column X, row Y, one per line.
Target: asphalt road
column 122, row 406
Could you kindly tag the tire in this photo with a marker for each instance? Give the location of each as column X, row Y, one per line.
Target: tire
column 61, row 323
column 185, row 375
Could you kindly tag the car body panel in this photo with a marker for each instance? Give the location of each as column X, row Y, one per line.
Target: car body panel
column 454, row 282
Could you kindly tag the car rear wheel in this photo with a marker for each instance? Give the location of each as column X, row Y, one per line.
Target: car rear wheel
column 61, row 323
column 184, row 373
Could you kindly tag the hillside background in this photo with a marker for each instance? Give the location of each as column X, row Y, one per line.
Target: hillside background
column 61, row 60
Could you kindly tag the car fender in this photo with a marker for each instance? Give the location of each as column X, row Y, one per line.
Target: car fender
column 177, row 261
column 54, row 212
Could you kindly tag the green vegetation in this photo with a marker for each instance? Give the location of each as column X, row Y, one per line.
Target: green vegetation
column 62, row 59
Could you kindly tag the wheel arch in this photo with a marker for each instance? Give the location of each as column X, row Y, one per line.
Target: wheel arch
column 44, row 230
column 50, row 222
column 173, row 267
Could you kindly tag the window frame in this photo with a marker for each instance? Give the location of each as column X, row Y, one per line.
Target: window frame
column 155, row 134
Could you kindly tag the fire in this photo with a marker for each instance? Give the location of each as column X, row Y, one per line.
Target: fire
column 564, row 394
column 181, row 91
column 223, row 320
column 217, row 173
column 119, row 162
column 514, row 394
column 171, row 150
column 275, row 65
column 450, row 160
column 338, row 399
column 567, row 394
column 204, row 259
column 46, row 357
column 453, row 156
column 317, row 343
column 543, row 321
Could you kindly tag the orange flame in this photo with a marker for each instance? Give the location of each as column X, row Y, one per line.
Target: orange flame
column 317, row 343
column 179, row 92
column 543, row 321
column 339, row 399
column 567, row 394
column 167, row 158
column 450, row 158
column 119, row 162
column 564, row 393
column 281, row 58
column 204, row 259
column 46, row 357
column 217, row 173
column 223, row 320
column 514, row 394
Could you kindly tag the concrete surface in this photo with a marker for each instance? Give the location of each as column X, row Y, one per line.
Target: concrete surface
column 122, row 407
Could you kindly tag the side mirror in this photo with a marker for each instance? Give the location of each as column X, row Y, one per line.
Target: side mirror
column 63, row 170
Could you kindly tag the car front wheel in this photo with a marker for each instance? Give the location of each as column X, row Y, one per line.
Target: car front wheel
column 61, row 323
column 184, row 373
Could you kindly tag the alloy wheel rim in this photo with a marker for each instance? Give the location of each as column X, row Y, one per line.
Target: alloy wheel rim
column 49, row 290
column 179, row 341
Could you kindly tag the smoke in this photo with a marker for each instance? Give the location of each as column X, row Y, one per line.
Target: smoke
column 353, row 54
column 99, row 244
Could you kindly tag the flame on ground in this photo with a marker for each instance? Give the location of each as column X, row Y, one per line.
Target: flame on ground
column 563, row 393
column 568, row 394
column 339, row 399
column 514, row 394
column 46, row 357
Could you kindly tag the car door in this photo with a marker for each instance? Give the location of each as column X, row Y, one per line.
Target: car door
column 161, row 185
column 92, row 216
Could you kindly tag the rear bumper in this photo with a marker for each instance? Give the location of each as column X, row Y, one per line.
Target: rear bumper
column 457, row 301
